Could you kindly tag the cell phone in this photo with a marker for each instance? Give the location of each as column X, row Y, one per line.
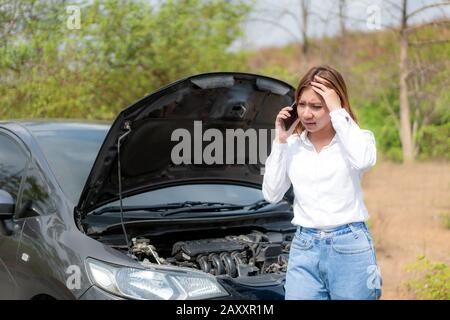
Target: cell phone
column 289, row 121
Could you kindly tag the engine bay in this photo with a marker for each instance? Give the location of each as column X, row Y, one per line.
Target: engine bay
column 235, row 255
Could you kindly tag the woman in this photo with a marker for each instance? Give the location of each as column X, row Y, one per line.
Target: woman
column 323, row 154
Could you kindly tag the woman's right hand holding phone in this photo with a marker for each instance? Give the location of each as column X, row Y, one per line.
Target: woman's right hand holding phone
column 281, row 134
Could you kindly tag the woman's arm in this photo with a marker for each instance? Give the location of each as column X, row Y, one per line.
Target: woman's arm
column 359, row 144
column 276, row 181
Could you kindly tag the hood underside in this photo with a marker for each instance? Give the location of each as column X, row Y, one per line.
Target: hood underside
column 190, row 131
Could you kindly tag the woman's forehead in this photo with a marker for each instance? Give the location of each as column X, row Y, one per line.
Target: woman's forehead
column 309, row 95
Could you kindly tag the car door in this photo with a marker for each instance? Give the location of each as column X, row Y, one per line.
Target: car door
column 13, row 162
column 37, row 268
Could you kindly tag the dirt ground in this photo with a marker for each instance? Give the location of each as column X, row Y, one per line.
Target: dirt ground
column 406, row 204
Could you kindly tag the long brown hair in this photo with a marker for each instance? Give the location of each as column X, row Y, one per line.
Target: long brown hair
column 334, row 80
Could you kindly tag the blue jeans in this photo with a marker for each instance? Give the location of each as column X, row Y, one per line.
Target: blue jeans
column 338, row 263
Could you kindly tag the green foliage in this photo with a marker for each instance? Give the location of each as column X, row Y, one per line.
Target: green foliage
column 434, row 138
column 434, row 142
column 124, row 50
column 375, row 117
column 128, row 48
column 432, row 279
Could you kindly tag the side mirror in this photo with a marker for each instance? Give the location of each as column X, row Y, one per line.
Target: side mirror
column 28, row 210
column 7, row 205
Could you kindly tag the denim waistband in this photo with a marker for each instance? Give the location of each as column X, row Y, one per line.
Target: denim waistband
column 343, row 229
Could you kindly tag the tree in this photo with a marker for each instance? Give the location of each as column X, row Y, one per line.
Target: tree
column 341, row 15
column 300, row 13
column 123, row 50
column 407, row 130
column 420, row 62
column 305, row 12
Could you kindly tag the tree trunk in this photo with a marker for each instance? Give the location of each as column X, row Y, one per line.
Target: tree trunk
column 305, row 14
column 342, row 9
column 405, row 124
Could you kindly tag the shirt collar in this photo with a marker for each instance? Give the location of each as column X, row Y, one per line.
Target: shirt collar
column 304, row 138
column 306, row 141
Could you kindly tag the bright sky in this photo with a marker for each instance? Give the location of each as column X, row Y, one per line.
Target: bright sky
column 275, row 22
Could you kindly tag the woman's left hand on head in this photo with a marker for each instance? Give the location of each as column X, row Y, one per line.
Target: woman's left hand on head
column 330, row 96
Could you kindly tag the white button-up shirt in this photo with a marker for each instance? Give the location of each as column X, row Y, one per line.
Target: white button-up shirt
column 327, row 185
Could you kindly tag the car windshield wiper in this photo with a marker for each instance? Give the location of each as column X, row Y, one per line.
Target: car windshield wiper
column 202, row 206
column 169, row 209
column 166, row 208
column 257, row 205
column 217, row 206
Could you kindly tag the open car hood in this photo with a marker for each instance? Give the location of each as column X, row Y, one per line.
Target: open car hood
column 156, row 128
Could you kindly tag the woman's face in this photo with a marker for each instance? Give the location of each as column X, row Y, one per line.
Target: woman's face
column 312, row 111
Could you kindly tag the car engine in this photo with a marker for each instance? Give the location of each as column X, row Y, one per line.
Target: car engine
column 236, row 256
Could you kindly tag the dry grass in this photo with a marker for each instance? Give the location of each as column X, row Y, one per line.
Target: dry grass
column 406, row 204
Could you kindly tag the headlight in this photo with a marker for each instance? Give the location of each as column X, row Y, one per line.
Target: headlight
column 153, row 284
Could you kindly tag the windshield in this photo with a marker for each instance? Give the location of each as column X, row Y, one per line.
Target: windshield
column 71, row 152
column 224, row 193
